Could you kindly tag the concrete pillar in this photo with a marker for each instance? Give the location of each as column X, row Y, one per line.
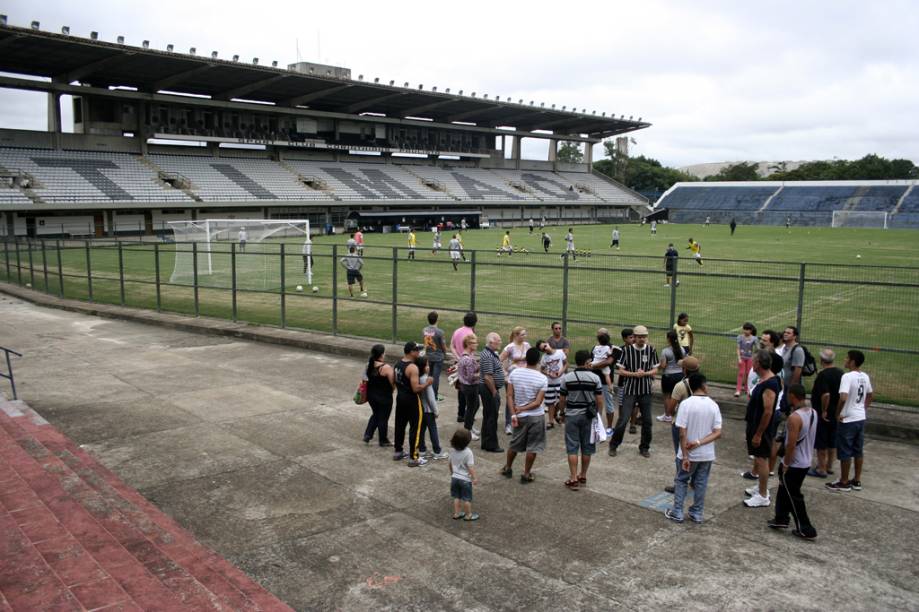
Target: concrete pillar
column 110, row 222
column 10, row 219
column 589, row 154
column 54, row 118
column 515, row 153
column 553, row 150
column 141, row 131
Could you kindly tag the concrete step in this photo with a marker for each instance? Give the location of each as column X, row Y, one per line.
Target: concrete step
column 74, row 536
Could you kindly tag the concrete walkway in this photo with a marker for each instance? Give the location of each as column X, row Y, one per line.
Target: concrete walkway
column 256, row 450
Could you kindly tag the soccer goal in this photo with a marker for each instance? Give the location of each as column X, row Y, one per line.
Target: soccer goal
column 860, row 218
column 214, row 248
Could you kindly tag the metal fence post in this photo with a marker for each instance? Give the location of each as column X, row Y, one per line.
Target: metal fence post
column 44, row 264
column 156, row 273
column 60, row 268
column 31, row 265
column 18, row 262
column 120, row 273
column 194, row 271
column 472, row 274
column 395, row 293
column 673, row 285
column 565, row 294
column 283, row 291
column 334, row 289
column 89, row 271
column 235, row 312
column 801, row 275
column 6, row 256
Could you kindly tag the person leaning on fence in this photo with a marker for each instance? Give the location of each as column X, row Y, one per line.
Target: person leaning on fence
column 353, row 264
column 581, row 399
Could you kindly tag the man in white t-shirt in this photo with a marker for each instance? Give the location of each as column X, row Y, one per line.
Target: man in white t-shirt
column 699, row 422
column 243, row 238
column 526, row 391
column 569, row 245
column 855, row 395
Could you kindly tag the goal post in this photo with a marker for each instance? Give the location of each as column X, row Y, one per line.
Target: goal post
column 248, row 247
column 860, row 218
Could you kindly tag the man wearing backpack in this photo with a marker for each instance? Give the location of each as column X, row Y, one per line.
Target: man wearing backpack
column 795, row 358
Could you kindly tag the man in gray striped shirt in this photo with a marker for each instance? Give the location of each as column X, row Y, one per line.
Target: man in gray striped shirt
column 638, row 365
column 490, row 385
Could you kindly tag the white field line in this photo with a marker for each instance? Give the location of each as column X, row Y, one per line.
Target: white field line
column 845, row 294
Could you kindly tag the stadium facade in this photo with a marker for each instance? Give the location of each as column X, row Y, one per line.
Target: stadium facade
column 161, row 135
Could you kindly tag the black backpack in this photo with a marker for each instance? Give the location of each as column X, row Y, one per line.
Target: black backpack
column 810, row 364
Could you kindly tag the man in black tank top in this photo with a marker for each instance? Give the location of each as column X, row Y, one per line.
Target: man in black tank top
column 760, row 430
column 408, row 404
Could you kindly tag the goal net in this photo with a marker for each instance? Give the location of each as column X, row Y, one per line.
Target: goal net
column 860, row 218
column 216, row 248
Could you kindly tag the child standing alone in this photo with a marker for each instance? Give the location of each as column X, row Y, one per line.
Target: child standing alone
column 462, row 470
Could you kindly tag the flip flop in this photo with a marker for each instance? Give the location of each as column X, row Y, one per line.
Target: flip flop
column 457, row 517
column 507, row 472
column 582, row 479
column 472, row 517
column 572, row 484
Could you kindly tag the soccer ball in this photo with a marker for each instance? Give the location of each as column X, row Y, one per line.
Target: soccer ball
column 363, row 294
column 858, row 256
column 315, row 289
column 299, row 287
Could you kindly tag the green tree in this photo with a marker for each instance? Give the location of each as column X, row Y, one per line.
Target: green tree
column 742, row 171
column 570, row 152
column 640, row 173
column 870, row 167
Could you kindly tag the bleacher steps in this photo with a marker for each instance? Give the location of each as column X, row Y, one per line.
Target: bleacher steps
column 73, row 536
column 896, row 209
column 768, row 201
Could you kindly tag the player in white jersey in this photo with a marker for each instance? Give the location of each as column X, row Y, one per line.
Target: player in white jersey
column 456, row 250
column 569, row 245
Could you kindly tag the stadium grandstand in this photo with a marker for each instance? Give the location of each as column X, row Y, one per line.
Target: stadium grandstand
column 887, row 204
column 160, row 136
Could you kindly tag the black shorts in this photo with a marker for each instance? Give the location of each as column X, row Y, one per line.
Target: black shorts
column 764, row 450
column 668, row 382
column 355, row 276
column 826, row 434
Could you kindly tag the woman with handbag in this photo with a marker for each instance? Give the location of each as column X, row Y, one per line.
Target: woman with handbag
column 380, row 384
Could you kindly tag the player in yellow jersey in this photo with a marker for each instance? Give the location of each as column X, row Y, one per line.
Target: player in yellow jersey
column 412, row 242
column 506, row 244
column 696, row 249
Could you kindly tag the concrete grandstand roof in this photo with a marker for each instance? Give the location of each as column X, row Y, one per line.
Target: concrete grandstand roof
column 65, row 59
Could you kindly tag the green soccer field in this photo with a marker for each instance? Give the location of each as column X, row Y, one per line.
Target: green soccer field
column 756, row 275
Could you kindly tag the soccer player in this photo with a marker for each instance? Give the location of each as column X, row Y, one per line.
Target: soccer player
column 435, row 247
column 670, row 259
column 615, row 240
column 708, row 221
column 359, row 240
column 412, row 242
column 456, row 250
column 569, row 245
column 654, row 228
column 463, row 225
column 459, row 237
column 243, row 237
column 531, row 225
column 506, row 244
column 546, row 242
column 353, row 265
column 352, row 242
column 696, row 249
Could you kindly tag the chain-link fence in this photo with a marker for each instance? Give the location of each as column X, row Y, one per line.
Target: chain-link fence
column 871, row 308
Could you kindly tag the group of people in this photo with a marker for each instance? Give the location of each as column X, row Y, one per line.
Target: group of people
column 784, row 433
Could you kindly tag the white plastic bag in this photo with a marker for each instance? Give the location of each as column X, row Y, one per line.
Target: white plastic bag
column 597, row 430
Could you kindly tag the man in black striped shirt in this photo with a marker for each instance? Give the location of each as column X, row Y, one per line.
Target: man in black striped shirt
column 637, row 365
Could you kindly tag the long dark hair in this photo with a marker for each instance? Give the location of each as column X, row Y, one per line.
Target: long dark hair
column 674, row 342
column 376, row 354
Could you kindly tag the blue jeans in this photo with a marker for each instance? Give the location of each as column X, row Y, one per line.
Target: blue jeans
column 610, row 406
column 436, row 368
column 429, row 426
column 698, row 473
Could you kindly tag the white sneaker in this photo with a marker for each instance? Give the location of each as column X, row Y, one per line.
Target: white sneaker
column 474, row 435
column 508, row 430
column 757, row 501
column 751, row 491
column 665, row 419
column 441, row 455
column 476, row 430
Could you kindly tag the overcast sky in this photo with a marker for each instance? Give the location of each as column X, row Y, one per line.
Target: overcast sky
column 719, row 81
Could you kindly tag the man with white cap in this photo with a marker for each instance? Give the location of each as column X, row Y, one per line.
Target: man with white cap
column 638, row 365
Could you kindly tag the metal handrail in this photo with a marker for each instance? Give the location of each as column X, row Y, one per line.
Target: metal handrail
column 9, row 367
